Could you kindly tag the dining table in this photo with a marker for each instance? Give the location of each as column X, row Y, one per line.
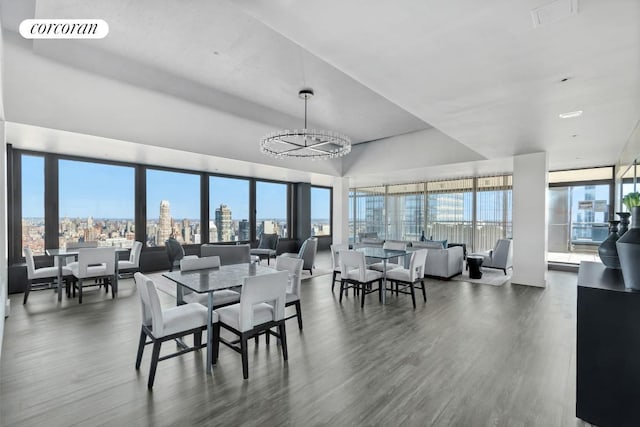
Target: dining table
column 384, row 255
column 62, row 253
column 214, row 279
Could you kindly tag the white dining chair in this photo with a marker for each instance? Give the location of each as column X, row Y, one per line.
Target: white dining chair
column 335, row 262
column 40, row 275
column 396, row 246
column 354, row 274
column 294, row 267
column 94, row 263
column 410, row 277
column 131, row 265
column 160, row 325
column 261, row 308
column 220, row 298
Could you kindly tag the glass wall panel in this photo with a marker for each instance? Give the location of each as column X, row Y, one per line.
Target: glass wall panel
column 228, row 209
column 450, row 211
column 369, row 213
column 173, row 207
column 33, row 203
column 96, row 203
column 271, row 208
column 320, row 211
column 493, row 211
column 405, row 211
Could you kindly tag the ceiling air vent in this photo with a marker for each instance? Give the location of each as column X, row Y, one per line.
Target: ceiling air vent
column 553, row 12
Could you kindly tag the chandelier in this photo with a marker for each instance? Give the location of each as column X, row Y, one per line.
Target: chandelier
column 305, row 143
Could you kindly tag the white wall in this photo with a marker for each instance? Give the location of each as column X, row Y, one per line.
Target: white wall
column 530, row 183
column 3, row 202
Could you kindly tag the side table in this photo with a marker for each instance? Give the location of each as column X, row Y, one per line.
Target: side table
column 474, row 263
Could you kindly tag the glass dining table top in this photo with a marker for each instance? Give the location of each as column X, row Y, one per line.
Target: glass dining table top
column 213, row 279
column 70, row 252
column 380, row 253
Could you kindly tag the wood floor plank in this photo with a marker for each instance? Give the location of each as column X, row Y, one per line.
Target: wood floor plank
column 473, row 355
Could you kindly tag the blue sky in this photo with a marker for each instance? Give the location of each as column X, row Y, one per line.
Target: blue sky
column 107, row 191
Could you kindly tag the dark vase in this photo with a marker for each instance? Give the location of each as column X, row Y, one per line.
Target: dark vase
column 624, row 222
column 607, row 250
column 629, row 252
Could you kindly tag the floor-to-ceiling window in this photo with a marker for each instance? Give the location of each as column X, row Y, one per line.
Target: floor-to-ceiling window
column 272, row 208
column 450, row 211
column 228, row 209
column 173, row 207
column 405, row 211
column 579, row 208
column 368, row 208
column 33, row 218
column 96, row 203
column 493, row 211
column 320, row 211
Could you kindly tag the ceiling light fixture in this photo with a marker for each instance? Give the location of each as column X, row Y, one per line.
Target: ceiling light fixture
column 305, row 143
column 570, row 115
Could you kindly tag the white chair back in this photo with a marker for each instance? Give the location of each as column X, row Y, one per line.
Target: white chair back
column 134, row 256
column 189, row 264
column 96, row 256
column 151, row 308
column 335, row 255
column 31, row 264
column 140, row 280
column 417, row 264
column 350, row 260
column 395, row 246
column 294, row 267
column 267, row 288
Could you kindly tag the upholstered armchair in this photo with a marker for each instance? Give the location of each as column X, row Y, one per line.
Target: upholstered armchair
column 307, row 253
column 500, row 257
column 267, row 246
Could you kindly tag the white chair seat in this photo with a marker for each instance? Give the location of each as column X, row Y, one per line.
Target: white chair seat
column 92, row 271
column 184, row 318
column 52, row 272
column 71, row 265
column 369, row 275
column 401, row 274
column 263, row 252
column 379, row 266
column 126, row 264
column 230, row 315
column 292, row 298
column 222, row 297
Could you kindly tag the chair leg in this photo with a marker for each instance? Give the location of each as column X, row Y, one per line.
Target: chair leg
column 333, row 281
column 341, row 289
column 364, row 292
column 245, row 356
column 154, row 363
column 143, row 339
column 283, row 340
column 197, row 339
column 413, row 294
column 267, row 337
column 299, row 314
column 424, row 291
column 505, row 271
column 216, row 342
column 26, row 292
column 79, row 291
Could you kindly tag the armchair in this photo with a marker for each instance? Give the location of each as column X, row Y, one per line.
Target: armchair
column 500, row 257
column 307, row 253
column 267, row 246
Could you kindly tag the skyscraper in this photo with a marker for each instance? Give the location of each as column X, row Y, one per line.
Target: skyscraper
column 223, row 223
column 243, row 230
column 164, row 226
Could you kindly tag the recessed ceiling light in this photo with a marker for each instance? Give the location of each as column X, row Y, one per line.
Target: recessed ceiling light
column 570, row 114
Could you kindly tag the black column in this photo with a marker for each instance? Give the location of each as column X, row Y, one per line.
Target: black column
column 302, row 211
column 141, row 204
column 51, row 211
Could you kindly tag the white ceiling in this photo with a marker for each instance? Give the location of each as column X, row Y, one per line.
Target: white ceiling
column 479, row 72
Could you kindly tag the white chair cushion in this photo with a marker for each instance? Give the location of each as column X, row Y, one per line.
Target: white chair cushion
column 222, row 297
column 70, row 265
column 92, row 271
column 378, row 266
column 184, row 317
column 46, row 272
column 230, row 315
column 369, row 275
column 124, row 265
column 263, row 251
column 401, row 274
column 292, row 298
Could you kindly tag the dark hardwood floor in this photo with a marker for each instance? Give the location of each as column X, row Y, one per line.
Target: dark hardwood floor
column 473, row 355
